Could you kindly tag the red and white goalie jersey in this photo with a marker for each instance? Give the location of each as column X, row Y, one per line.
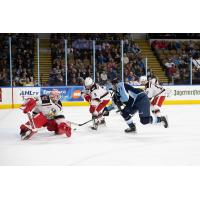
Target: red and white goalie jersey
column 46, row 112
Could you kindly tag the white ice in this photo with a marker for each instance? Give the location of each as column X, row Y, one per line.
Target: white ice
column 152, row 145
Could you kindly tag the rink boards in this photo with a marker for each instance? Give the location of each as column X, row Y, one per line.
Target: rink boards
column 71, row 96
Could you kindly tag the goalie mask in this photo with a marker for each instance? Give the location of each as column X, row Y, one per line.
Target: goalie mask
column 55, row 95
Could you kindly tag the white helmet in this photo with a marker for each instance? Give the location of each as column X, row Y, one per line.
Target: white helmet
column 143, row 80
column 88, row 82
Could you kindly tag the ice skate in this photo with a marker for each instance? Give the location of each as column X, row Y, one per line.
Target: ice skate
column 26, row 133
column 164, row 121
column 131, row 129
column 102, row 122
column 95, row 125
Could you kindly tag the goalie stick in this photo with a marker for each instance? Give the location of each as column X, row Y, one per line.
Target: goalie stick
column 77, row 124
column 33, row 128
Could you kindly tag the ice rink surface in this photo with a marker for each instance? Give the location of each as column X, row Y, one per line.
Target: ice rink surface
column 109, row 145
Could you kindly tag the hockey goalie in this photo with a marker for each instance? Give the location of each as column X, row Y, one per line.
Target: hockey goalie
column 46, row 111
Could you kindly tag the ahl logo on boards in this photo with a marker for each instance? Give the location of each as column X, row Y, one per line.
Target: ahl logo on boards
column 28, row 93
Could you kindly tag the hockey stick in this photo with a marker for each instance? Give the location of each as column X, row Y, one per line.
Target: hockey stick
column 77, row 124
column 31, row 121
column 33, row 128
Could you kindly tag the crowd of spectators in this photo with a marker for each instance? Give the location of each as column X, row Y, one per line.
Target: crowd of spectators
column 173, row 36
column 175, row 57
column 107, row 60
column 22, row 59
column 57, row 75
column 4, row 60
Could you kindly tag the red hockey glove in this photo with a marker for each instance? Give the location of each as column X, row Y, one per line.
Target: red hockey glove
column 28, row 105
column 87, row 97
column 64, row 128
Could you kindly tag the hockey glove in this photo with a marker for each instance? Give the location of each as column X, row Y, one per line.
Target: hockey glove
column 28, row 105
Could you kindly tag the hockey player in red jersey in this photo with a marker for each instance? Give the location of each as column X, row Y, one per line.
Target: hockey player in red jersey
column 46, row 112
column 155, row 93
column 98, row 98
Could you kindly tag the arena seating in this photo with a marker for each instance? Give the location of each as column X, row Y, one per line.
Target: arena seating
column 175, row 55
column 108, row 60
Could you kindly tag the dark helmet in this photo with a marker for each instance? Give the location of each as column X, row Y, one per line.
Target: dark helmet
column 115, row 81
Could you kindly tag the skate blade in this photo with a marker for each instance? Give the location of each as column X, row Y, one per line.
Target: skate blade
column 94, row 128
column 131, row 133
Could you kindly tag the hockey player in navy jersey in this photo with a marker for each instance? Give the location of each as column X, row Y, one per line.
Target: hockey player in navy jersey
column 134, row 99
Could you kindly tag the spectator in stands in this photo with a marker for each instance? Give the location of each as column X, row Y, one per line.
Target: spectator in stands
column 74, row 81
column 135, row 81
column 126, row 59
column 59, row 80
column 22, row 80
column 103, row 78
column 3, row 81
column 197, row 73
column 4, row 77
column 28, row 82
column 169, row 64
column 135, row 49
column 176, row 75
column 83, row 73
column 111, row 74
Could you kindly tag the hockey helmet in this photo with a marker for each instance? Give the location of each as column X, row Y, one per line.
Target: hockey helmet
column 143, row 80
column 88, row 82
column 114, row 82
column 55, row 95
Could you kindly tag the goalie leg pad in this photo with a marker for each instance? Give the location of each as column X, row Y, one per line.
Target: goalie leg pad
column 52, row 125
column 23, row 129
column 26, row 132
column 39, row 120
column 64, row 127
